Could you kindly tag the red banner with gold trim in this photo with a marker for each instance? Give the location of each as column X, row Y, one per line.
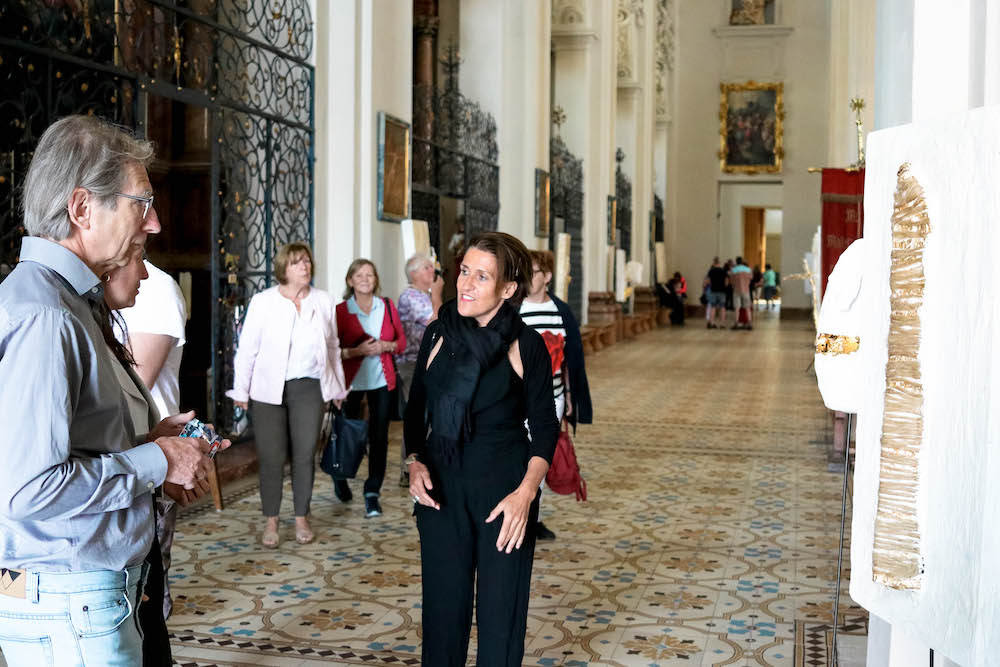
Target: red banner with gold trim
column 843, row 196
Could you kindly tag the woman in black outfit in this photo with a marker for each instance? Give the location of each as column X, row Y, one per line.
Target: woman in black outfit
column 474, row 471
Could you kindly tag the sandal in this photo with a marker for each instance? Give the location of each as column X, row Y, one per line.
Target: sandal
column 269, row 538
column 303, row 535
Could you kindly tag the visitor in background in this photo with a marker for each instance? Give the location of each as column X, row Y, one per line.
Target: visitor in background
column 155, row 323
column 553, row 319
column 755, row 284
column 418, row 307
column 770, row 281
column 739, row 279
column 370, row 333
column 676, row 297
column 718, row 281
column 728, row 267
column 287, row 367
column 475, row 473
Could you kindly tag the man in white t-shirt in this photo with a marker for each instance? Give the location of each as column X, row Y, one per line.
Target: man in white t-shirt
column 155, row 327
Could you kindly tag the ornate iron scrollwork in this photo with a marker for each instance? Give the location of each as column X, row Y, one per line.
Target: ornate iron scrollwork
column 246, row 61
column 567, row 204
column 460, row 156
column 623, row 192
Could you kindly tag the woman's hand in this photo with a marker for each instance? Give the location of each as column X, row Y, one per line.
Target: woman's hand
column 369, row 348
column 420, row 485
column 171, row 426
column 388, row 346
column 242, row 404
column 515, row 509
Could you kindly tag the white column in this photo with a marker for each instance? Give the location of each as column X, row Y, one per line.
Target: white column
column 852, row 74
column 584, row 76
column 506, row 63
column 337, row 147
column 364, row 64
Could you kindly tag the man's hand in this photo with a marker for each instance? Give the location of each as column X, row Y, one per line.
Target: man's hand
column 172, row 425
column 186, row 460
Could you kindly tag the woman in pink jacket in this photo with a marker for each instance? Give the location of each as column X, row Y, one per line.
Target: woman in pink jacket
column 287, row 367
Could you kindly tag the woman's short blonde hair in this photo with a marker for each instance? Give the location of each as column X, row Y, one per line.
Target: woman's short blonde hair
column 288, row 254
column 352, row 269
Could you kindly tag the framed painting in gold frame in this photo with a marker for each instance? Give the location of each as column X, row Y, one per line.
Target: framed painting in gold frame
column 393, row 188
column 751, row 127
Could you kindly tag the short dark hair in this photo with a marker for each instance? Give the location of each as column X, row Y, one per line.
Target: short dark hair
column 739, row 260
column 767, row 266
column 513, row 261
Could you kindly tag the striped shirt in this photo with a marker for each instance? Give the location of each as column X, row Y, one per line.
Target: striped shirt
column 546, row 320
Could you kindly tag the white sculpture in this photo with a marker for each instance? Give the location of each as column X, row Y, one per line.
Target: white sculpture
column 948, row 533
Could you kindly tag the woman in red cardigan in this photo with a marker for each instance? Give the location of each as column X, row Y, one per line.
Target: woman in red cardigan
column 370, row 333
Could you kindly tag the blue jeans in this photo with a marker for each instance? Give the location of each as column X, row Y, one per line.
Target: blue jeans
column 74, row 619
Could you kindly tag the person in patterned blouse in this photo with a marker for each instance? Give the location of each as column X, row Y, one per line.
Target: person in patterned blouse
column 418, row 306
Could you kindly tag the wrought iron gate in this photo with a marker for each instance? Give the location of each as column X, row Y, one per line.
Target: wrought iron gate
column 459, row 159
column 623, row 193
column 244, row 61
column 566, row 197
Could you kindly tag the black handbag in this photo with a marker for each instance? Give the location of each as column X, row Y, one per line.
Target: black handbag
column 397, row 397
column 345, row 447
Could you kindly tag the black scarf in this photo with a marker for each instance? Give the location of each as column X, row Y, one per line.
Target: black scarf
column 474, row 349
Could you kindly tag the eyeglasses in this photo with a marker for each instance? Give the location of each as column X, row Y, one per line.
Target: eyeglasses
column 148, row 201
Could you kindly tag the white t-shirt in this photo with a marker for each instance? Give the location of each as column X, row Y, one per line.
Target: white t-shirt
column 159, row 309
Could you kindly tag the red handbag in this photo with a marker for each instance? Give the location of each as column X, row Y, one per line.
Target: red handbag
column 564, row 476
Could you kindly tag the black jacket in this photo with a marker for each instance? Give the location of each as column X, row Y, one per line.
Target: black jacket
column 579, row 388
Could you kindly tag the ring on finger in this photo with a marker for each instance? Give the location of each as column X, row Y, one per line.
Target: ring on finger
column 415, row 499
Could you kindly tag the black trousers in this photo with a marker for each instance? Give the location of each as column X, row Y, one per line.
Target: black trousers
column 155, row 642
column 456, row 545
column 378, row 432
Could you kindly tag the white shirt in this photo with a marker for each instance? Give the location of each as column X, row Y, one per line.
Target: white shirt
column 262, row 356
column 302, row 359
column 160, row 309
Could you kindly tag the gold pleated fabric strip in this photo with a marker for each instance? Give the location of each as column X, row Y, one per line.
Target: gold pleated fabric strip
column 896, row 561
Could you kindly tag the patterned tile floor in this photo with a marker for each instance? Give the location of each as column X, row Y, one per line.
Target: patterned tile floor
column 709, row 537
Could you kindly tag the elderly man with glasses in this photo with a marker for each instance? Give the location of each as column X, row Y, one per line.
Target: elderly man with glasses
column 77, row 486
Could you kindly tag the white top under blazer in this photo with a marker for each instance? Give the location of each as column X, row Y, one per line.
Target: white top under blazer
column 265, row 345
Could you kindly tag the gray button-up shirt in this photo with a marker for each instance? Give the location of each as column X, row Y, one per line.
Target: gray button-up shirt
column 76, row 493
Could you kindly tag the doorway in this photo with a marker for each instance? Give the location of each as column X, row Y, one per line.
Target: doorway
column 754, row 236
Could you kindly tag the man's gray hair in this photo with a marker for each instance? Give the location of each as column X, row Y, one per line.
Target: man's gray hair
column 78, row 152
column 414, row 263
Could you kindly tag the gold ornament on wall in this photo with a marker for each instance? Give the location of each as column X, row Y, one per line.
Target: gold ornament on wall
column 751, row 128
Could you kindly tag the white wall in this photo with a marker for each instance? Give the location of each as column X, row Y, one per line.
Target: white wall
column 506, row 62
column 705, row 60
column 364, row 64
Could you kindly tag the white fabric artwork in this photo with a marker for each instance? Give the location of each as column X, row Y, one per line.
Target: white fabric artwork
column 952, row 606
column 839, row 374
column 620, row 275
column 562, row 277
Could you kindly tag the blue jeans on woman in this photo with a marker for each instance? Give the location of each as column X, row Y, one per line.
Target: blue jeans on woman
column 74, row 619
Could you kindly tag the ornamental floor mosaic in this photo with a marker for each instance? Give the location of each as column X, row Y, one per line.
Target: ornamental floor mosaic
column 709, row 537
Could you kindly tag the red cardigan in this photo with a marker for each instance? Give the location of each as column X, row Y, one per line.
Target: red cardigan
column 351, row 333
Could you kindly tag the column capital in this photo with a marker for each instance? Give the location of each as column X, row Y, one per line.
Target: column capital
column 573, row 40
column 426, row 26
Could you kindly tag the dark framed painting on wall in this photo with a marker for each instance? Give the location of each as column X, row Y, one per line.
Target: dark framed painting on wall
column 394, row 160
column 751, row 127
column 542, row 186
column 612, row 218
